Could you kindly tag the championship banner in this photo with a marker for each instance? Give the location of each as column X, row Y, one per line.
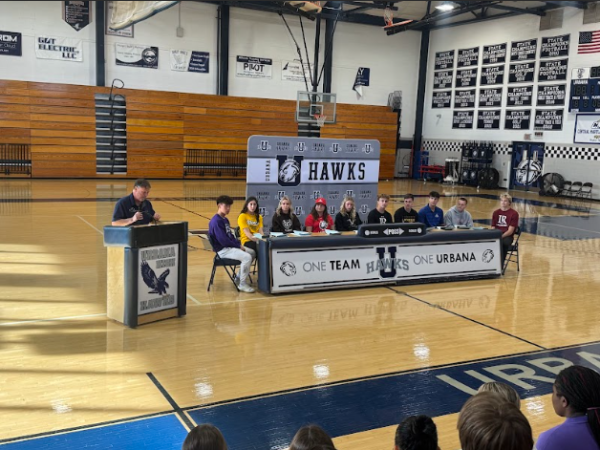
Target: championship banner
column 136, row 56
column 77, row 14
column 363, row 78
column 11, row 44
column 157, row 284
column 189, row 61
column 587, row 129
column 64, row 49
column 253, row 67
column 295, row 71
column 305, row 169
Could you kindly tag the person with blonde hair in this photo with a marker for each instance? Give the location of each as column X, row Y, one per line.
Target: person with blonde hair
column 503, row 390
column 347, row 219
column 284, row 219
column 506, row 220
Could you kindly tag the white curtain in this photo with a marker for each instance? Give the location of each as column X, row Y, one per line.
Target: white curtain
column 127, row 13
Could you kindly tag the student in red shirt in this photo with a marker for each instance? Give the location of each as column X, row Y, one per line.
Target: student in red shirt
column 319, row 219
column 506, row 220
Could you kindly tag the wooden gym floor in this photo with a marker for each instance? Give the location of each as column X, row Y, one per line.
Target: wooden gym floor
column 257, row 366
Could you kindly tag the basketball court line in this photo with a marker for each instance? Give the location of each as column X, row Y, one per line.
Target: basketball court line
column 90, row 225
column 176, row 408
column 52, row 320
column 193, row 299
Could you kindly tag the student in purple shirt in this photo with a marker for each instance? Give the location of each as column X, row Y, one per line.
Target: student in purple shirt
column 576, row 396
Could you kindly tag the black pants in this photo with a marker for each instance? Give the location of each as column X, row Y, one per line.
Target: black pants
column 253, row 245
column 506, row 243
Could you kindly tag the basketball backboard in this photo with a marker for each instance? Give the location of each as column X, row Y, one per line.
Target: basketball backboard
column 311, row 104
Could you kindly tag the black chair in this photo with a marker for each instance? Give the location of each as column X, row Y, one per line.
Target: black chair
column 230, row 266
column 566, row 190
column 576, row 188
column 586, row 190
column 513, row 251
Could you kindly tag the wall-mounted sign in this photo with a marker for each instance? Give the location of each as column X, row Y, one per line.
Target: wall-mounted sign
column 462, row 119
column 488, row 120
column 492, row 75
column 77, row 14
column 253, row 67
column 517, row 119
column 441, row 99
column 548, row 119
column 64, row 49
column 466, row 78
column 442, row 80
column 444, row 60
column 464, row 99
column 553, row 95
column 523, row 50
column 553, row 70
column 555, row 46
column 11, row 44
column 493, row 54
column 587, row 129
column 521, row 72
column 189, row 61
column 490, row 97
column 123, row 32
column 468, row 57
column 519, row 96
column 296, row 71
column 136, row 56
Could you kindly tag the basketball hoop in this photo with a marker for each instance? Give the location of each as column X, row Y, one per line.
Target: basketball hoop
column 320, row 118
column 388, row 16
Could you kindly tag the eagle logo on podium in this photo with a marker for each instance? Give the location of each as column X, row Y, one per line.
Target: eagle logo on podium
column 157, row 284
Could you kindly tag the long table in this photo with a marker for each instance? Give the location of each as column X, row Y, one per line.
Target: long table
column 312, row 263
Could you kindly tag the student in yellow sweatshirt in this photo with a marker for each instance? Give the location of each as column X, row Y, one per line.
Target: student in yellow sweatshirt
column 250, row 222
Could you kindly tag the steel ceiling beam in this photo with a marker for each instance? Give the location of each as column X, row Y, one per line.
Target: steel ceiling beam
column 580, row 5
column 533, row 11
column 372, row 5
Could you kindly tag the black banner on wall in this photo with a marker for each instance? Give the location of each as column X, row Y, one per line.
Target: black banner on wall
column 522, row 73
column 442, row 80
column 11, row 44
column 517, row 119
column 462, row 119
column 488, row 120
column 466, row 78
column 444, row 60
column 523, row 50
column 555, row 46
column 553, row 70
column 464, row 99
column 553, row 95
column 490, row 97
column 548, row 119
column 492, row 75
column 77, row 14
column 441, row 99
column 519, row 96
column 493, row 54
column 468, row 57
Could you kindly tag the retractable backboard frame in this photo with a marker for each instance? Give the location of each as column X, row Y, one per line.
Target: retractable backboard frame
column 311, row 104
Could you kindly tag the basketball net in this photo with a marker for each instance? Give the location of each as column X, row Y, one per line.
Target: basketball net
column 388, row 16
column 320, row 118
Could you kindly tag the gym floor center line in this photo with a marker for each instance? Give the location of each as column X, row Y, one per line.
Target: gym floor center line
column 182, row 416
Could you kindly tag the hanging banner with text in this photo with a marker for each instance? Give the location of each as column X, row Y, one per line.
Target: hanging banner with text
column 468, row 57
column 441, row 99
column 523, row 50
column 553, row 70
column 493, row 54
column 60, row 48
column 442, row 80
column 123, row 32
column 189, row 61
column 444, row 60
column 466, row 78
column 77, row 14
column 295, row 71
column 519, row 96
column 587, row 129
column 521, row 73
column 490, row 97
column 464, row 99
column 553, row 95
column 11, row 44
column 548, row 119
column 518, row 119
column 253, row 67
column 136, row 56
column 158, row 278
column 553, row 47
column 492, row 75
column 462, row 120
column 488, row 120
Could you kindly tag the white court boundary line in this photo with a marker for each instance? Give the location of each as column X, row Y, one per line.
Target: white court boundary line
column 51, row 320
column 193, row 299
column 90, row 225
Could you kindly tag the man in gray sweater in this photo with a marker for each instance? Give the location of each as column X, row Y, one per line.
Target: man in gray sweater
column 458, row 215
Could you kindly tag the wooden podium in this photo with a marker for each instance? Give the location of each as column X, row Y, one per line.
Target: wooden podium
column 147, row 272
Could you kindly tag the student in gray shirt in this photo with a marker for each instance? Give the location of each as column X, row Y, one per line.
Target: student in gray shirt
column 458, row 215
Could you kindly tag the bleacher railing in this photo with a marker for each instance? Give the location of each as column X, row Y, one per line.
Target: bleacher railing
column 15, row 159
column 218, row 163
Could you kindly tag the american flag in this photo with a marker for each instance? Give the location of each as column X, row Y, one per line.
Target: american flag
column 589, row 42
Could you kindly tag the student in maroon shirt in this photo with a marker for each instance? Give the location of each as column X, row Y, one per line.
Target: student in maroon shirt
column 506, row 220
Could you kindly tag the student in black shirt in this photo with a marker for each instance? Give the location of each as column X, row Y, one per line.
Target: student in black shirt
column 405, row 214
column 379, row 214
column 284, row 220
column 347, row 219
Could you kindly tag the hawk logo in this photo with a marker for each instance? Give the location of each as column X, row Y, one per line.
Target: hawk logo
column 580, row 73
column 288, row 269
column 158, row 285
column 364, row 209
column 487, row 257
column 300, row 147
column 289, row 170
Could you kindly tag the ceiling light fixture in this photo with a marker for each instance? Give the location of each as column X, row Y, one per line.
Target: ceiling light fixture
column 445, row 6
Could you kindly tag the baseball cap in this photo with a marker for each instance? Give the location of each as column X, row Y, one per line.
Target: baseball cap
column 321, row 201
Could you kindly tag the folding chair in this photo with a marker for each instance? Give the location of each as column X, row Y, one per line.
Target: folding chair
column 586, row 190
column 230, row 266
column 576, row 188
column 513, row 251
column 566, row 190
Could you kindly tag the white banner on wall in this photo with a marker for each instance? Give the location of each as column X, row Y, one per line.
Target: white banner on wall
column 253, row 67
column 136, row 56
column 295, row 71
column 189, row 61
column 60, row 48
column 587, row 129
column 157, row 278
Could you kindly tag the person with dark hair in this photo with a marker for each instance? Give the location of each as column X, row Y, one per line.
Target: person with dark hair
column 204, row 437
column 250, row 222
column 310, row 437
column 417, row 433
column 319, row 219
column 226, row 244
column 488, row 422
column 284, row 219
column 430, row 214
column 406, row 213
column 458, row 216
column 347, row 219
column 576, row 396
column 506, row 220
column 379, row 214
column 135, row 208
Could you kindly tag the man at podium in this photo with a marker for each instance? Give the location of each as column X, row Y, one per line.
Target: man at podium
column 135, row 209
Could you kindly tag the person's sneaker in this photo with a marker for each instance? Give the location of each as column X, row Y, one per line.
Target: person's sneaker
column 245, row 288
column 237, row 280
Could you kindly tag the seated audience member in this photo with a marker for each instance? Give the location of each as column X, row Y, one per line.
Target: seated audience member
column 319, row 219
column 310, row 437
column 347, row 219
column 417, row 433
column 379, row 214
column 226, row 244
column 506, row 220
column 284, row 219
column 204, row 437
column 406, row 213
column 576, row 396
column 458, row 215
column 430, row 214
column 488, row 422
column 503, row 390
column 250, row 222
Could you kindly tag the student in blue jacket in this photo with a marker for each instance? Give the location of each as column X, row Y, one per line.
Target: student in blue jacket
column 430, row 214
